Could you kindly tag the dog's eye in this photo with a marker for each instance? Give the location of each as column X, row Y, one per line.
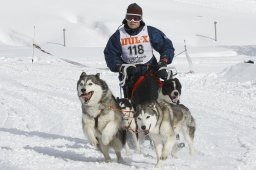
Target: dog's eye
column 81, row 84
column 139, row 118
column 90, row 84
column 147, row 117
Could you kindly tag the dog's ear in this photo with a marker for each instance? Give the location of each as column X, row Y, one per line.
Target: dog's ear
column 117, row 99
column 98, row 75
column 178, row 83
column 138, row 107
column 83, row 74
column 166, row 86
column 154, row 107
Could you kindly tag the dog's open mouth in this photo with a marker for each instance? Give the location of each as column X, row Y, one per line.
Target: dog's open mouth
column 172, row 97
column 146, row 132
column 86, row 96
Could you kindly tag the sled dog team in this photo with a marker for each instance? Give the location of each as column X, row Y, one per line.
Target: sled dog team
column 106, row 120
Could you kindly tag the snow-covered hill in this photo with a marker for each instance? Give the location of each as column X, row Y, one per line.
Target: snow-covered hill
column 91, row 22
column 40, row 114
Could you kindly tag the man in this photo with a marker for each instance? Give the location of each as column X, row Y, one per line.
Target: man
column 133, row 44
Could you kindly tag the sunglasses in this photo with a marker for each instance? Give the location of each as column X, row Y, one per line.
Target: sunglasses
column 133, row 17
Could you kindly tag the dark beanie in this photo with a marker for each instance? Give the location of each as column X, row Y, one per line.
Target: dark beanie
column 134, row 9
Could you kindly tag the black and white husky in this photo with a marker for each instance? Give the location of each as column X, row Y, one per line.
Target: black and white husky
column 129, row 122
column 170, row 91
column 101, row 120
column 162, row 121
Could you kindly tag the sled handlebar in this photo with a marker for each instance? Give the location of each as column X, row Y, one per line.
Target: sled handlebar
column 124, row 67
column 170, row 70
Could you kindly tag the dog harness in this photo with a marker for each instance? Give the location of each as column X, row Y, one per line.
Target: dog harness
column 96, row 119
column 141, row 78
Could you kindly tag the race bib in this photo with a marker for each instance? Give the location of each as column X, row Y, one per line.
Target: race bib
column 136, row 49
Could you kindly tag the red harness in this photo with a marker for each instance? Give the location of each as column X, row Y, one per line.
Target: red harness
column 141, row 78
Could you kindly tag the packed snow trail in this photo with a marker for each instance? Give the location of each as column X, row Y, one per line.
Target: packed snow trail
column 41, row 117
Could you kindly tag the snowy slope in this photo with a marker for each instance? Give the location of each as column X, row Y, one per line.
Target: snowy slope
column 91, row 22
column 40, row 114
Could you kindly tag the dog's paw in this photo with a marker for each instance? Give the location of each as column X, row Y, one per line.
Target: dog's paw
column 138, row 151
column 108, row 160
column 159, row 165
column 128, row 151
column 163, row 157
column 174, row 151
column 93, row 141
column 121, row 161
column 174, row 155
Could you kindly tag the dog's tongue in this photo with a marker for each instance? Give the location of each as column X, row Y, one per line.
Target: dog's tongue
column 146, row 132
column 173, row 97
column 86, row 96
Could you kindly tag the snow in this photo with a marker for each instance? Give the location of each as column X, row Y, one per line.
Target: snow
column 40, row 114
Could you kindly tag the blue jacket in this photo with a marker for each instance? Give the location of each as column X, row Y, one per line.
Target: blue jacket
column 158, row 40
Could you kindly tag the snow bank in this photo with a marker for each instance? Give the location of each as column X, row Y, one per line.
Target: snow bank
column 242, row 72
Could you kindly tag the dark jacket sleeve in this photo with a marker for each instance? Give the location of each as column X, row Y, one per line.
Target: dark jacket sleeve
column 113, row 52
column 161, row 43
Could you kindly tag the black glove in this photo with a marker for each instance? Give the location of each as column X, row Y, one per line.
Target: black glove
column 162, row 73
column 129, row 71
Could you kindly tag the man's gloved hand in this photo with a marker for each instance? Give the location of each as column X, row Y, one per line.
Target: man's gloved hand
column 162, row 73
column 129, row 71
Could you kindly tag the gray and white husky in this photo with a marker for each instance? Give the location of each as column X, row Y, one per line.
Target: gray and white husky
column 101, row 120
column 162, row 122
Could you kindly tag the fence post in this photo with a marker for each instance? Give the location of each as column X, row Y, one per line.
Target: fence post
column 215, row 28
column 64, row 37
column 34, row 44
column 188, row 58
